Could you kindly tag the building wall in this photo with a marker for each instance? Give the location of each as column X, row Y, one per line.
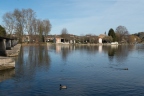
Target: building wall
column 58, row 40
column 100, row 40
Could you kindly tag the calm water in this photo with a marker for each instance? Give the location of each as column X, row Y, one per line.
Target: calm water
column 85, row 70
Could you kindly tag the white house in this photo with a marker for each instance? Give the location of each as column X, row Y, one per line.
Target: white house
column 100, row 40
column 101, row 36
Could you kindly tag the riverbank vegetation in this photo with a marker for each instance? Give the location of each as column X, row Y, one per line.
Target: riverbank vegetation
column 24, row 22
column 24, row 25
column 2, row 31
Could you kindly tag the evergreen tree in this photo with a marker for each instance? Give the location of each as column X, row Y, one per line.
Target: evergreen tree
column 2, row 31
column 112, row 34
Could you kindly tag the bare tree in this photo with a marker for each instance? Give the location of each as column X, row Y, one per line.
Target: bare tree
column 9, row 21
column 94, row 39
column 23, row 22
column 29, row 16
column 40, row 29
column 46, row 27
column 121, row 33
column 64, row 34
column 19, row 23
column 82, row 39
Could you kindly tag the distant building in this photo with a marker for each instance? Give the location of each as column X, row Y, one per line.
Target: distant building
column 68, row 39
column 28, row 38
column 49, row 38
column 100, row 40
column 101, row 36
column 25, row 38
column 58, row 39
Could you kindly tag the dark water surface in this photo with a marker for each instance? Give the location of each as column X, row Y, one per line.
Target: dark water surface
column 85, row 70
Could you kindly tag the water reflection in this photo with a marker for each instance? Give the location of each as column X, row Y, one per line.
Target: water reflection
column 140, row 48
column 89, row 68
column 7, row 74
column 64, row 50
column 30, row 58
column 117, row 52
column 112, row 50
column 100, row 48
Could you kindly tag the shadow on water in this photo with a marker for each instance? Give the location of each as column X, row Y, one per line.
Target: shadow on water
column 7, row 74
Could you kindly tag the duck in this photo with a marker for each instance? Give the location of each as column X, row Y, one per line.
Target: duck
column 63, row 87
column 122, row 68
column 125, row 69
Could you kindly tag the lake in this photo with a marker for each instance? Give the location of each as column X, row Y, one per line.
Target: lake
column 86, row 70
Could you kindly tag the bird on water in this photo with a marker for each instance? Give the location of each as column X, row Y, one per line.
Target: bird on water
column 63, row 87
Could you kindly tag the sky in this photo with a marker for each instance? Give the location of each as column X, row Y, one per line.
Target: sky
column 81, row 17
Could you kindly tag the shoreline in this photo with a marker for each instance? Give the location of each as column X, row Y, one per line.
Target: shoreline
column 8, row 62
column 105, row 44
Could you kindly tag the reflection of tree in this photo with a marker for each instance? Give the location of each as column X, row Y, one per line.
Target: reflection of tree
column 20, row 63
column 30, row 58
column 82, row 48
column 111, row 58
column 122, row 53
column 88, row 49
column 43, row 56
column 117, row 52
column 111, row 52
column 39, row 56
column 65, row 50
column 112, row 49
column 140, row 48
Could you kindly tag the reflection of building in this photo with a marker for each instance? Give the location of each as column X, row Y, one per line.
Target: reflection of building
column 64, row 47
column 100, row 48
column 58, row 48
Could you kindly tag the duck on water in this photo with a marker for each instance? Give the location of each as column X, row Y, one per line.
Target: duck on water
column 63, row 87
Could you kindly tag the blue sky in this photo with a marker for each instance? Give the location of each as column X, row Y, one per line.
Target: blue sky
column 81, row 17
